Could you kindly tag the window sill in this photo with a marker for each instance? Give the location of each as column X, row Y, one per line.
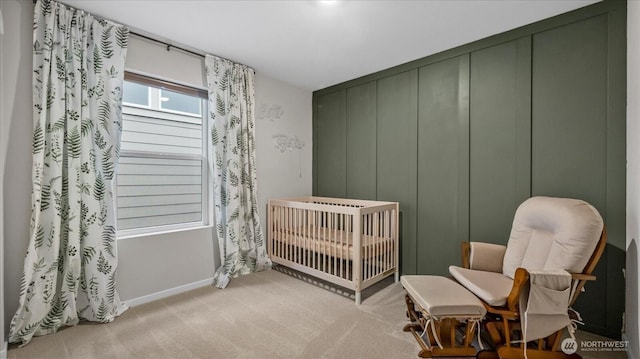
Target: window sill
column 162, row 232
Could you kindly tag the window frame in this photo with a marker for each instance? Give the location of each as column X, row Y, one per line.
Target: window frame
column 206, row 187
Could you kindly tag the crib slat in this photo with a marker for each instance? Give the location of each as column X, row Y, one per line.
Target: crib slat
column 353, row 241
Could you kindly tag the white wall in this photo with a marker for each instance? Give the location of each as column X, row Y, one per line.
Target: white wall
column 3, row 152
column 16, row 122
column 633, row 177
column 152, row 266
column 283, row 141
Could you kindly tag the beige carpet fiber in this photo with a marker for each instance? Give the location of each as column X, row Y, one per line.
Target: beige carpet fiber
column 262, row 315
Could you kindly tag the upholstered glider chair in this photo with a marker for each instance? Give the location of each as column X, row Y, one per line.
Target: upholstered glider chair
column 528, row 285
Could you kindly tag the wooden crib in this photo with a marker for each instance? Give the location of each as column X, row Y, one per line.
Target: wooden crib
column 351, row 243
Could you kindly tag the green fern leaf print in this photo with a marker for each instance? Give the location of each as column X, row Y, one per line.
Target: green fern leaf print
column 106, row 45
column 71, row 281
column 99, row 188
column 51, row 96
column 224, row 81
column 28, row 330
column 39, row 237
column 45, row 7
column 86, row 126
column 53, row 319
column 38, row 139
column 58, row 125
column 87, row 255
column 39, row 265
column 108, row 239
column 45, row 197
column 74, row 143
column 99, row 140
column 108, row 165
column 214, row 136
column 97, row 60
column 104, row 115
column 111, row 287
column 103, row 312
column 221, row 107
column 122, row 36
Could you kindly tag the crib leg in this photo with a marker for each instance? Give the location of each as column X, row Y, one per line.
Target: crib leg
column 397, row 277
column 358, row 298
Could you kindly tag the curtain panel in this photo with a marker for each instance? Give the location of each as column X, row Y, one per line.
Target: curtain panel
column 70, row 266
column 232, row 161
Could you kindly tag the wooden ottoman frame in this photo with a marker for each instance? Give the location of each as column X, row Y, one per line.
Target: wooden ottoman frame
column 438, row 316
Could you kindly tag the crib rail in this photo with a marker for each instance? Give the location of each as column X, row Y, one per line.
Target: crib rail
column 348, row 242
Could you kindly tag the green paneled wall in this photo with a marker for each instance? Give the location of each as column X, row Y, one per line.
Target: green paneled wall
column 329, row 131
column 569, row 123
column 443, row 122
column 500, row 138
column 361, row 141
column 462, row 137
column 397, row 109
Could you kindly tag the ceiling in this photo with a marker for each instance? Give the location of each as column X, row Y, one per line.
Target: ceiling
column 314, row 44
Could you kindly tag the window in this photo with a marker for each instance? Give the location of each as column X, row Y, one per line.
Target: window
column 180, row 103
column 135, row 94
column 162, row 173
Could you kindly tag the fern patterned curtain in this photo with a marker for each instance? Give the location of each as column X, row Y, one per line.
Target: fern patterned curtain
column 70, row 266
column 233, row 164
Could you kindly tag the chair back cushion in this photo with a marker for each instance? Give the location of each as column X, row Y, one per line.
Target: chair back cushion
column 551, row 234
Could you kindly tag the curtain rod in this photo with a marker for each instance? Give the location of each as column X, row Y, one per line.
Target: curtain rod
column 150, row 38
column 168, row 45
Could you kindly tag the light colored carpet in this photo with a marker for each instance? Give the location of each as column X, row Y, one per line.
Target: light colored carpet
column 262, row 315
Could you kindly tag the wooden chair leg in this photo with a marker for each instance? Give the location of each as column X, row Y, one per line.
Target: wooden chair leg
column 494, row 332
column 506, row 331
column 554, row 340
column 412, row 314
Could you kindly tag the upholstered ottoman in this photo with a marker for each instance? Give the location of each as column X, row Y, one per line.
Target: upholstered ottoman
column 436, row 306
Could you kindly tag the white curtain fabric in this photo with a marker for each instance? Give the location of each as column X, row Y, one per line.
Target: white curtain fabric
column 70, row 266
column 232, row 163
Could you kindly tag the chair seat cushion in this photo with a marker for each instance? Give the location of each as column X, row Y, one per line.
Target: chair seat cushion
column 442, row 297
column 491, row 287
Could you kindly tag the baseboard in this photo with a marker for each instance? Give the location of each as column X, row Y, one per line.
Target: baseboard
column 167, row 293
column 3, row 350
column 630, row 352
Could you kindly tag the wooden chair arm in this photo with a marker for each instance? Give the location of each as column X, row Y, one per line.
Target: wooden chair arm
column 580, row 276
column 520, row 278
column 466, row 252
column 511, row 310
column 582, row 280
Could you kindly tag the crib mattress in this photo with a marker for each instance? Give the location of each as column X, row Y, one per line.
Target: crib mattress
column 334, row 243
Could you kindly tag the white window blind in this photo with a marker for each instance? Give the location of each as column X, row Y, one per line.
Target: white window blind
column 162, row 169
